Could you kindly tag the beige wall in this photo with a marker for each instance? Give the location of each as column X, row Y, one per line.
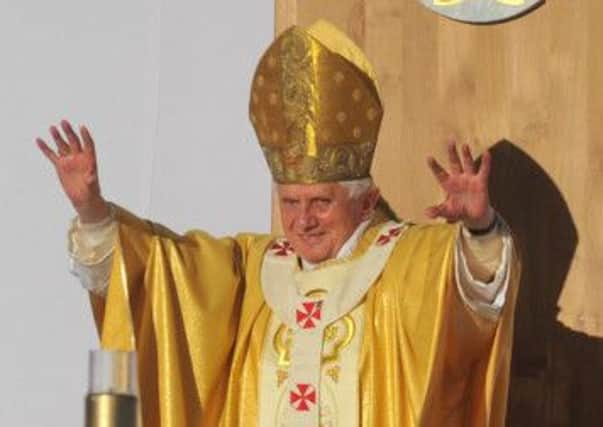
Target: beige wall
column 531, row 91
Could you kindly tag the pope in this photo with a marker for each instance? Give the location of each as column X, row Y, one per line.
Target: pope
column 351, row 318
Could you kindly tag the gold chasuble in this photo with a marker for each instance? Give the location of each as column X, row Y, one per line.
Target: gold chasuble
column 197, row 313
column 193, row 308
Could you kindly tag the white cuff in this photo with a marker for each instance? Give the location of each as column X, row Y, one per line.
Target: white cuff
column 486, row 299
column 90, row 248
column 93, row 278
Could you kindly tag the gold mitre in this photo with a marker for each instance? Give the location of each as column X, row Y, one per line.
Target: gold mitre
column 315, row 107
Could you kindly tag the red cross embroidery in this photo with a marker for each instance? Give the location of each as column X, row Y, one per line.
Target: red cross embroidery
column 302, row 398
column 282, row 248
column 309, row 314
column 387, row 237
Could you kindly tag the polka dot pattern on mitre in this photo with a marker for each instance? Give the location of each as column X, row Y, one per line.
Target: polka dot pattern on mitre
column 306, row 102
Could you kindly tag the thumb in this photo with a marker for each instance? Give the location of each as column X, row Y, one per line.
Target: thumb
column 434, row 211
column 442, row 211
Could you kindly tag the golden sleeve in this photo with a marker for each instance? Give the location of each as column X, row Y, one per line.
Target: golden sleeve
column 476, row 354
column 176, row 300
column 428, row 359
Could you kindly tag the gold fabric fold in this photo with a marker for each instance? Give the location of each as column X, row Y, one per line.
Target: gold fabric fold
column 177, row 301
column 193, row 308
column 427, row 359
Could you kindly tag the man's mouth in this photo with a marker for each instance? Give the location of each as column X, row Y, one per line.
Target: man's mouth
column 312, row 238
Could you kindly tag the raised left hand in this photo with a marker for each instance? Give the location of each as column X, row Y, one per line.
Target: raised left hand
column 466, row 188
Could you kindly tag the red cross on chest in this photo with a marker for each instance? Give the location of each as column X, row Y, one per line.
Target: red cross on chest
column 389, row 235
column 309, row 314
column 282, row 248
column 303, row 397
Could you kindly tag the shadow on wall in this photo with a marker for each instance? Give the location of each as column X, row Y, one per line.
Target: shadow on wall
column 556, row 374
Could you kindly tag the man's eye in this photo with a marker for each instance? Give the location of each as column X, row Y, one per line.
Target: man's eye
column 323, row 203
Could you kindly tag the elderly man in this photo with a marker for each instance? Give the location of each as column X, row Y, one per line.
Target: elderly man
column 353, row 318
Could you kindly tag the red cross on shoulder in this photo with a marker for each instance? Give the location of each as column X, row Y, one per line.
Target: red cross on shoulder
column 303, row 397
column 385, row 238
column 309, row 314
column 282, row 248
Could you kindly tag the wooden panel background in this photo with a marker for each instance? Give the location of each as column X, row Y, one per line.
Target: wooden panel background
column 531, row 89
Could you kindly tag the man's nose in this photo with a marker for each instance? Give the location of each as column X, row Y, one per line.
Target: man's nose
column 307, row 220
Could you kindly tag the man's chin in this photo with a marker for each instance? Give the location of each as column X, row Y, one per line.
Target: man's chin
column 313, row 256
column 316, row 260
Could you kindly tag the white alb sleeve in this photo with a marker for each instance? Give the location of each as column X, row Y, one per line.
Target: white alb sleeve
column 90, row 248
column 490, row 253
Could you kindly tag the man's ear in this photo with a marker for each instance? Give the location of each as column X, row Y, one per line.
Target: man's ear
column 369, row 203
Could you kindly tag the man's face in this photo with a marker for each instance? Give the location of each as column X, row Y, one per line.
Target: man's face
column 319, row 218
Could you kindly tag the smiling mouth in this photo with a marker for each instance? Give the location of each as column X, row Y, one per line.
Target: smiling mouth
column 311, row 237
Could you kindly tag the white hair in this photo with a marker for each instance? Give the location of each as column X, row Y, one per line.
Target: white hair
column 358, row 187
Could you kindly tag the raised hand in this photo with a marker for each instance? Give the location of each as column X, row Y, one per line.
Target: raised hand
column 75, row 164
column 466, row 189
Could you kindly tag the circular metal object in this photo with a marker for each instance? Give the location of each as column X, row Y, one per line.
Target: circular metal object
column 481, row 11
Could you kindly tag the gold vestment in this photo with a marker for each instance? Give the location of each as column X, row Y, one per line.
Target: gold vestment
column 192, row 307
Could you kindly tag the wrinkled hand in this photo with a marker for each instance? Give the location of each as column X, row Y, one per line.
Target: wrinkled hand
column 75, row 164
column 466, row 189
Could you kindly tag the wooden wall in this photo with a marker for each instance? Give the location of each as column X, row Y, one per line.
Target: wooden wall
column 531, row 90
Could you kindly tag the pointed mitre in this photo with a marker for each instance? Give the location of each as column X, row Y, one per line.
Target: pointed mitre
column 315, row 106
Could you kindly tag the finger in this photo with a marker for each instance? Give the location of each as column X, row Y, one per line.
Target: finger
column 47, row 151
column 453, row 157
column 74, row 141
column 442, row 211
column 468, row 161
column 438, row 171
column 433, row 211
column 62, row 147
column 486, row 165
column 88, row 141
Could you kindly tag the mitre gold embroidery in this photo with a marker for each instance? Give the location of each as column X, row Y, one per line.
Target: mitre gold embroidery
column 316, row 114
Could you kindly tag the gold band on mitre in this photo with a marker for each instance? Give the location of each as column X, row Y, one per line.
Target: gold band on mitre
column 315, row 107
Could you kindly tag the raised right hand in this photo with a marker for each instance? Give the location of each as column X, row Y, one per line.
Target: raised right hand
column 75, row 164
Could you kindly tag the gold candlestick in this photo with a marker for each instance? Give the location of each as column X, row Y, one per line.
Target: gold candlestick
column 110, row 410
column 111, row 399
